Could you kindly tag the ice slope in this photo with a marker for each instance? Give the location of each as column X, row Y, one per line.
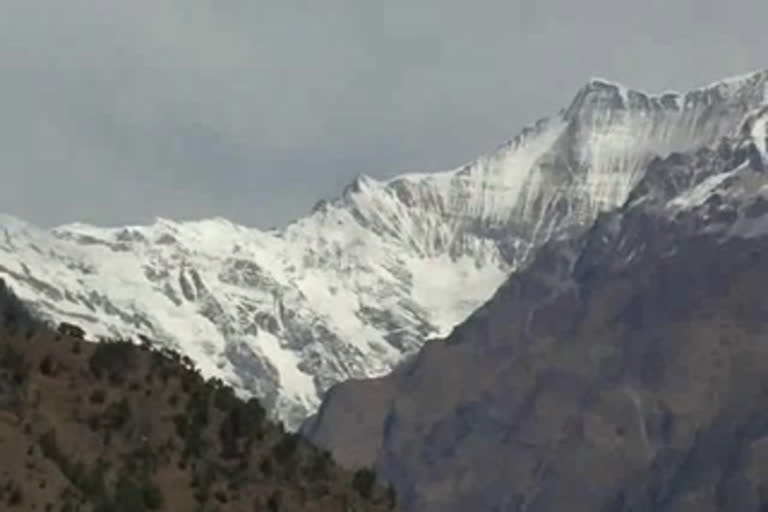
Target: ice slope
column 357, row 285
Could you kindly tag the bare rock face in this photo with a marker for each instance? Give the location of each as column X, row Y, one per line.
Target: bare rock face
column 621, row 369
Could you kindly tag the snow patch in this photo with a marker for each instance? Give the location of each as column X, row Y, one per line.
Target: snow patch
column 760, row 132
column 451, row 290
column 697, row 195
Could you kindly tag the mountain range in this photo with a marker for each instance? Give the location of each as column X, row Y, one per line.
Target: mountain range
column 357, row 286
column 621, row 368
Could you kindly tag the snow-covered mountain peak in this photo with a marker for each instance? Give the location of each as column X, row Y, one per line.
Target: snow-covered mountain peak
column 11, row 224
column 755, row 82
column 605, row 94
column 359, row 283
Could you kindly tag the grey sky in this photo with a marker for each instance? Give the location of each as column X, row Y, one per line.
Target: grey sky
column 114, row 112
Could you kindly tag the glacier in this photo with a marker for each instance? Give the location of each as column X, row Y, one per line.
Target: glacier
column 360, row 283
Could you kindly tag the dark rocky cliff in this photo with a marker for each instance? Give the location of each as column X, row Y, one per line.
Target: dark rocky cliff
column 622, row 370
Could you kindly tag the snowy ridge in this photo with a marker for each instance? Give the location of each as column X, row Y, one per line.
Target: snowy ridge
column 357, row 285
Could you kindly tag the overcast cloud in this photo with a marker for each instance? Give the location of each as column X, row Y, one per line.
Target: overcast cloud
column 115, row 112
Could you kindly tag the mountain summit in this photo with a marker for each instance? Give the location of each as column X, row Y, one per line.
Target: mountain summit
column 356, row 286
column 622, row 368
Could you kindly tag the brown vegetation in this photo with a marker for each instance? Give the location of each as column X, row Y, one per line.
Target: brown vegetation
column 116, row 427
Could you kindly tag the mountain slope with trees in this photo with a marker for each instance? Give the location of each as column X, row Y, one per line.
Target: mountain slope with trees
column 118, row 427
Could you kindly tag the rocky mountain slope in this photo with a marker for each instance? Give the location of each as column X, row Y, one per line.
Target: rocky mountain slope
column 114, row 427
column 356, row 286
column 621, row 369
